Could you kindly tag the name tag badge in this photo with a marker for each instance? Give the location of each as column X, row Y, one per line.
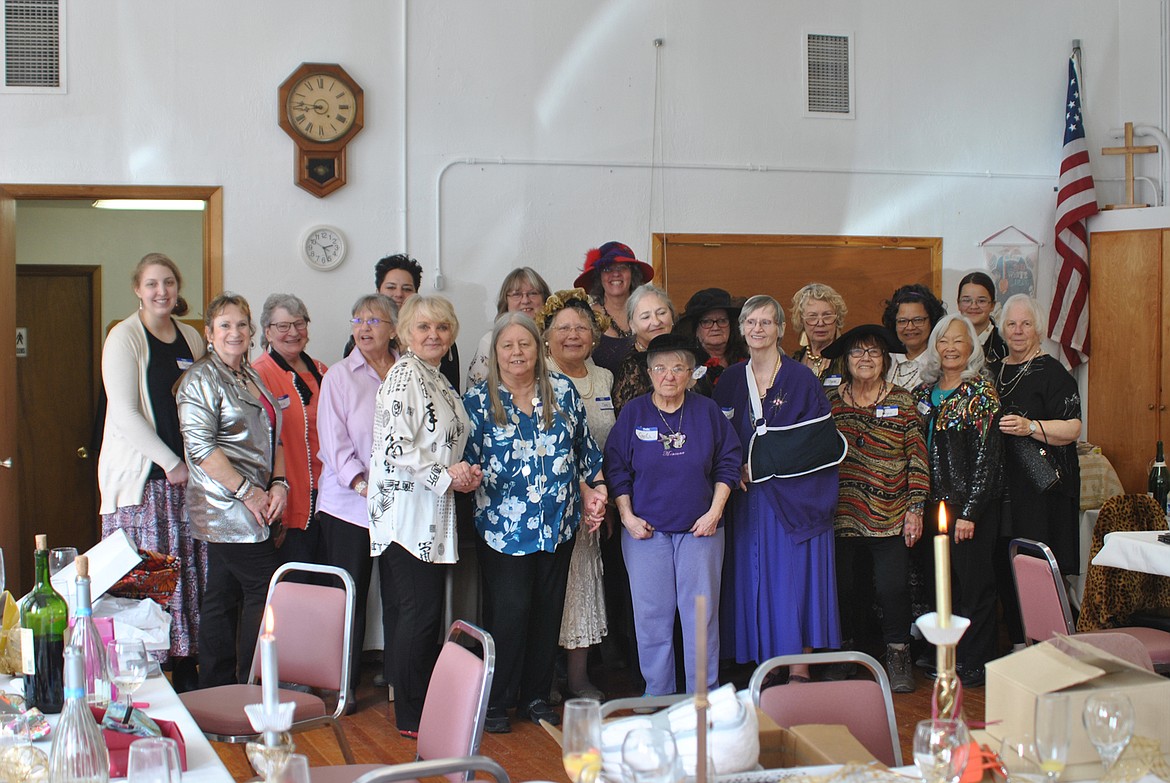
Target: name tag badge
column 646, row 433
column 283, row 401
column 184, row 364
column 729, row 413
column 833, row 380
column 924, row 408
column 604, row 403
column 887, row 411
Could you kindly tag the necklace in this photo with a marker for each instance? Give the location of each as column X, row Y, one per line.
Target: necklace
column 775, row 372
column 240, row 377
column 676, row 438
column 816, row 359
column 853, row 399
column 1019, row 376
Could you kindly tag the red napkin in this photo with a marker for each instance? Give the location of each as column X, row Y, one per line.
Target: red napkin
column 119, row 743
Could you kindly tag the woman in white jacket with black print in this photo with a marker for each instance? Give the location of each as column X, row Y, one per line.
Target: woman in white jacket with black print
column 420, row 430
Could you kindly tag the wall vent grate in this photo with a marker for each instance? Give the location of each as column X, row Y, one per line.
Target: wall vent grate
column 33, row 45
column 829, row 74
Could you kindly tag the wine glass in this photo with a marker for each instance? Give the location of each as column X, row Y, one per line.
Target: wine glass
column 154, row 760
column 1052, row 733
column 3, row 582
column 59, row 557
column 1108, row 721
column 1018, row 754
column 128, row 663
column 296, row 769
column 941, row 748
column 651, row 756
column 581, row 741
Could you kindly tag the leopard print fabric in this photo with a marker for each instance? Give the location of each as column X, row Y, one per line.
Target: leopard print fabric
column 1113, row 595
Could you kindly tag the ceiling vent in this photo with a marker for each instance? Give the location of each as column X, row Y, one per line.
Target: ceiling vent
column 828, row 75
column 34, row 46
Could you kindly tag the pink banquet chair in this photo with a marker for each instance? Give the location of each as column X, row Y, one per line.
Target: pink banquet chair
column 1044, row 609
column 865, row 707
column 313, row 627
column 453, row 712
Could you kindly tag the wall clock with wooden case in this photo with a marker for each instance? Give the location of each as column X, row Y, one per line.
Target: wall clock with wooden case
column 321, row 109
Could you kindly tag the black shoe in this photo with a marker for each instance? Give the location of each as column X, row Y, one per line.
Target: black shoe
column 927, row 663
column 972, row 677
column 841, row 670
column 380, row 680
column 538, row 710
column 496, row 721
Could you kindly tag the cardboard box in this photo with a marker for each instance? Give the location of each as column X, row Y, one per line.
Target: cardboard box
column 813, row 745
column 1014, row 682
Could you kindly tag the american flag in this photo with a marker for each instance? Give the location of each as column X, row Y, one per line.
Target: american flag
column 1076, row 200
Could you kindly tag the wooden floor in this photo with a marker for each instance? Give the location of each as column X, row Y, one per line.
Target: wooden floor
column 528, row 753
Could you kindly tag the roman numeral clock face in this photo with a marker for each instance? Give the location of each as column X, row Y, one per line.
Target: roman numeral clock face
column 321, row 107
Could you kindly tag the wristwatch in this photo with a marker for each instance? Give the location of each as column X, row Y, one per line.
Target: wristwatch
column 1031, row 427
column 361, row 486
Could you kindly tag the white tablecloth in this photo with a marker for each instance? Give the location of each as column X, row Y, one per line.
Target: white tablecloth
column 203, row 763
column 1135, row 551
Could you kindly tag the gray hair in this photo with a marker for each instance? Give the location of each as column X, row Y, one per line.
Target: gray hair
column 543, row 385
column 643, row 291
column 932, row 362
column 758, row 302
column 1039, row 320
column 291, row 302
column 381, row 304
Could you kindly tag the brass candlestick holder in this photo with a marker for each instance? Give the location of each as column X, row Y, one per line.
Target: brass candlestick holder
column 947, row 698
column 269, row 757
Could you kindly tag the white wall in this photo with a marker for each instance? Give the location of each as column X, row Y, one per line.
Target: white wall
column 959, row 116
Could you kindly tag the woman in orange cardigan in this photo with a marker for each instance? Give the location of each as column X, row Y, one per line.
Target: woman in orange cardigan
column 294, row 378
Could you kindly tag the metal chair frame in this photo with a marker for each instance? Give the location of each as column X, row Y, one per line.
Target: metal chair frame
column 414, row 770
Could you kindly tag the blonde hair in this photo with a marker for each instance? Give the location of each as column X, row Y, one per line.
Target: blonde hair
column 821, row 293
column 544, row 391
column 434, row 307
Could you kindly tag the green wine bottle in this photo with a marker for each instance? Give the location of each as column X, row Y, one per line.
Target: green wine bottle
column 43, row 618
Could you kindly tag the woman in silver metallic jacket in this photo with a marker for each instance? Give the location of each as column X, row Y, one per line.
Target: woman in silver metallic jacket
column 237, row 490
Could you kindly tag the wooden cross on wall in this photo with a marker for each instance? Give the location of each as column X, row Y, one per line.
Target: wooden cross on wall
column 1129, row 150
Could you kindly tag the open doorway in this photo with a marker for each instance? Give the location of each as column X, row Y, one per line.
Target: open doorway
column 16, row 479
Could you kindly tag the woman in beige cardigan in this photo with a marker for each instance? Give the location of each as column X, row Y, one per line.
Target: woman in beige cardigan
column 141, row 473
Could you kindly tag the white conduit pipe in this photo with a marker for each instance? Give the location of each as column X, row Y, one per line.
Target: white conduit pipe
column 744, row 167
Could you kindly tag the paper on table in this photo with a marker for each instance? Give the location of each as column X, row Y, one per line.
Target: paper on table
column 109, row 560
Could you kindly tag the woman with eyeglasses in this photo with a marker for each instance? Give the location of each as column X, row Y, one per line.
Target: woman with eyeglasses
column 911, row 314
column 611, row 275
column 141, row 473
column 345, row 427
column 883, row 489
column 711, row 318
column 780, row 589
column 294, row 378
column 523, row 291
column 671, row 461
column 818, row 316
column 976, row 303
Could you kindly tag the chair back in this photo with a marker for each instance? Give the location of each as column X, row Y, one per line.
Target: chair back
column 865, row 707
column 1044, row 610
column 313, row 628
column 456, row 702
column 414, row 770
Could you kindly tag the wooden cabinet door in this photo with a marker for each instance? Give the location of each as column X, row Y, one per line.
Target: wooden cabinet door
column 1126, row 328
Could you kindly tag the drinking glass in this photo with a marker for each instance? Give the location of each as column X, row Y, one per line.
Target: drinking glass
column 15, row 729
column 296, row 770
column 1018, row 754
column 59, row 557
column 1109, row 723
column 3, row 582
column 581, row 741
column 128, row 664
column 941, row 748
column 154, row 760
column 1052, row 733
column 651, row 756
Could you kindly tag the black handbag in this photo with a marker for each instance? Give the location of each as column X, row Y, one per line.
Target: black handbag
column 1035, row 460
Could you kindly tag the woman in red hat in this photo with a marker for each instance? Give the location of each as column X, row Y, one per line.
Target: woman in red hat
column 611, row 274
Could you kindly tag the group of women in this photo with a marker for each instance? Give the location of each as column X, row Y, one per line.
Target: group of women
column 789, row 492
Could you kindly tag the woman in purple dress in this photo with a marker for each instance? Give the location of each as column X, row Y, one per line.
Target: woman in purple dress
column 779, row 591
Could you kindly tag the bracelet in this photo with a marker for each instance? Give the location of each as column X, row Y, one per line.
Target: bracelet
column 595, row 483
column 243, row 490
column 361, row 486
column 279, row 481
column 916, row 508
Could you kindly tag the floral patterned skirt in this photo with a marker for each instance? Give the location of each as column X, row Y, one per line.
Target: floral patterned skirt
column 159, row 524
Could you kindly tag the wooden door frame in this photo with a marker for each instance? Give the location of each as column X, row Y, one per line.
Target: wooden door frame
column 9, row 194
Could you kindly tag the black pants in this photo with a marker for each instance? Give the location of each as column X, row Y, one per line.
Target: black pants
column 523, row 598
column 867, row 565
column 348, row 546
column 232, row 610
column 418, row 594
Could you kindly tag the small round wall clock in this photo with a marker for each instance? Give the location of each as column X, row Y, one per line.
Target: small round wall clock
column 323, row 248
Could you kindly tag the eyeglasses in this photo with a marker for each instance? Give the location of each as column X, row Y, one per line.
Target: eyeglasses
column 711, row 323
column 872, row 352
column 980, row 302
column 566, row 330
column 368, row 321
column 283, row 326
column 827, row 319
column 678, row 369
column 917, row 320
column 763, row 323
column 516, row 296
